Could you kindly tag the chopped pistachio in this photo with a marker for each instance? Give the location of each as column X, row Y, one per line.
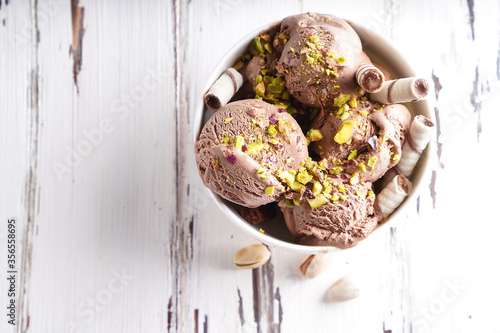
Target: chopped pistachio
column 361, row 194
column 353, row 103
column 289, row 160
column 285, row 95
column 354, row 179
column 269, row 190
column 261, row 171
column 260, row 89
column 225, row 140
column 352, row 154
column 282, row 104
column 263, row 177
column 274, row 141
column 272, row 130
column 284, row 126
column 371, row 193
column 314, row 135
column 239, row 65
column 314, row 39
column 257, row 45
column 268, row 48
column 304, row 177
column 345, row 132
column 341, row 99
column 291, row 110
column 341, row 60
column 265, row 37
column 372, row 161
column 254, row 148
column 345, row 115
column 395, row 158
column 228, row 120
column 317, row 202
column 362, row 166
column 316, row 190
column 287, row 177
column 297, row 187
column 363, row 113
column 239, row 141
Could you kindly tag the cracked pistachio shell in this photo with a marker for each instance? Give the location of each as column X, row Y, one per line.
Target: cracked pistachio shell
column 345, row 289
column 252, row 256
column 314, row 265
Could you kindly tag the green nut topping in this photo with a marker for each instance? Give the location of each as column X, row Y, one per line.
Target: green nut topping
column 345, row 132
column 317, row 202
column 239, row 141
column 269, row 190
column 372, row 161
column 314, row 135
column 304, row 177
column 341, row 99
column 257, row 45
column 272, row 130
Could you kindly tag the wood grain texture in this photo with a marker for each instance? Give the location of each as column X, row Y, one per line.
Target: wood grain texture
column 118, row 233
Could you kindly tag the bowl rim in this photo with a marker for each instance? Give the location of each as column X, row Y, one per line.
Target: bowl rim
column 424, row 162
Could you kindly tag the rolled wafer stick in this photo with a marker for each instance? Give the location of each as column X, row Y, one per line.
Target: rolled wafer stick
column 223, row 89
column 415, row 143
column 369, row 77
column 392, row 195
column 418, row 138
column 405, row 90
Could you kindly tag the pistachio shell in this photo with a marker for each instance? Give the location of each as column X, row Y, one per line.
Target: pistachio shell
column 344, row 289
column 252, row 256
column 314, row 265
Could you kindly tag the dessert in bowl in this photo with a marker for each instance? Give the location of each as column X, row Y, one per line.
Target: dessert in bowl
column 317, row 119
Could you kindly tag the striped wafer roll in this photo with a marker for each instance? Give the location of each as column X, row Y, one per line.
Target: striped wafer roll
column 405, row 90
column 223, row 89
column 369, row 77
column 392, row 195
column 415, row 143
column 418, row 138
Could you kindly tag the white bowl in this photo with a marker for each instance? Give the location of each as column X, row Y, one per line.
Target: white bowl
column 276, row 233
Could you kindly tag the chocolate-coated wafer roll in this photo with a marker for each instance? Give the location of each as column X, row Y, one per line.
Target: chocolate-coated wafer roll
column 392, row 195
column 405, row 90
column 223, row 89
column 370, row 78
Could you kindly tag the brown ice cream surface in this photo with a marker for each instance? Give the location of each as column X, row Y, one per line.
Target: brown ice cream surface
column 342, row 223
column 320, row 58
column 378, row 134
column 241, row 147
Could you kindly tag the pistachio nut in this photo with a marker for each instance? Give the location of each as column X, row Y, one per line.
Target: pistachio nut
column 345, row 289
column 314, row 265
column 252, row 256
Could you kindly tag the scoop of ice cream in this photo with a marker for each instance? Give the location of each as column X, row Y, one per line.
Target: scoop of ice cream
column 366, row 139
column 353, row 124
column 347, row 217
column 242, row 146
column 319, row 59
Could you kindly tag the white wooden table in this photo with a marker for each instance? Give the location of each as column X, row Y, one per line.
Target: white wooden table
column 114, row 232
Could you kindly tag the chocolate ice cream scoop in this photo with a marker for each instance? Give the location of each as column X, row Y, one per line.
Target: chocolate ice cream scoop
column 242, row 146
column 347, row 217
column 319, row 59
column 365, row 139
